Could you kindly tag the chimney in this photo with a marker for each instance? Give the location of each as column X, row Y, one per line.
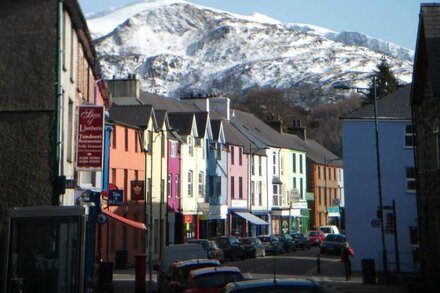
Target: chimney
column 222, row 106
column 278, row 125
column 298, row 129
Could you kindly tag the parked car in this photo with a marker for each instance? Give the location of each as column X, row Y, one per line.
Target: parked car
column 252, row 247
column 271, row 285
column 316, row 237
column 329, row 229
column 173, row 253
column 332, row 244
column 212, row 280
column 271, row 244
column 210, row 247
column 177, row 276
column 230, row 246
column 301, row 240
column 287, row 241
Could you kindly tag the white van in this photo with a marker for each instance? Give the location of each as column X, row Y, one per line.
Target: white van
column 330, row 229
column 177, row 252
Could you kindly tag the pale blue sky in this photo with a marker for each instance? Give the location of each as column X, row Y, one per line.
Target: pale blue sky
column 391, row 20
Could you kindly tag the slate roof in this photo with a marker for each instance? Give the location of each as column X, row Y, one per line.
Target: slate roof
column 183, row 122
column 136, row 115
column 427, row 58
column 171, row 105
column 261, row 133
column 392, row 107
column 201, row 122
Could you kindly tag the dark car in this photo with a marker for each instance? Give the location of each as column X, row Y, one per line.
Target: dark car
column 271, row 244
column 287, row 241
column 301, row 240
column 211, row 248
column 316, row 237
column 332, row 244
column 271, row 285
column 212, row 280
column 230, row 246
column 177, row 277
column 252, row 247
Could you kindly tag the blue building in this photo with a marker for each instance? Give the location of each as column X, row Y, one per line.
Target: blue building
column 398, row 182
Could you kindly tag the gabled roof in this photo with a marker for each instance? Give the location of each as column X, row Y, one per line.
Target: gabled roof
column 218, row 133
column 203, row 124
column 182, row 122
column 136, row 115
column 320, row 155
column 427, row 58
column 392, row 107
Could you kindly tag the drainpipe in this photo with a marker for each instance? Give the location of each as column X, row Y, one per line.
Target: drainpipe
column 58, row 95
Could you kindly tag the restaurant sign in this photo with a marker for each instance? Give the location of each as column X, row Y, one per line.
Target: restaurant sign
column 90, row 137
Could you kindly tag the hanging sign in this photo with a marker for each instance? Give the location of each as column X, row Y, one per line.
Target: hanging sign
column 90, row 137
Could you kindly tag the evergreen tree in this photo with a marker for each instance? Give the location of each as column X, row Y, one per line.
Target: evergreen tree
column 386, row 82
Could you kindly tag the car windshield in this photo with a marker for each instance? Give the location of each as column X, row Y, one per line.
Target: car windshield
column 204, row 244
column 326, row 229
column 184, row 272
column 217, row 280
column 336, row 238
column 313, row 233
column 213, row 245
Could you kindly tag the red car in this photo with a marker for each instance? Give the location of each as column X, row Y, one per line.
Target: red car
column 316, row 237
column 213, row 279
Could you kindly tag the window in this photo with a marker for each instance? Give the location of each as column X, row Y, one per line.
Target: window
column 260, row 196
column 190, row 183
column 240, row 187
column 409, row 139
column 240, row 156
column 232, row 155
column 410, row 179
column 232, row 187
column 173, row 149
column 126, row 138
column 201, row 183
column 276, row 195
column 252, row 192
column 136, row 141
column 252, row 165
column 259, row 167
column 114, row 137
column 136, row 174
column 176, row 186
column 72, row 53
column 219, row 186
column 113, row 176
column 301, row 164
column 294, row 163
column 190, row 145
column 274, row 160
column 219, row 152
column 125, row 184
column 169, row 184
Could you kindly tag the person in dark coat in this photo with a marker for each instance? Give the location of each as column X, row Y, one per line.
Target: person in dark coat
column 346, row 254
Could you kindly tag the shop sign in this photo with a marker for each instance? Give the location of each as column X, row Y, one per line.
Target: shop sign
column 115, row 197
column 90, row 137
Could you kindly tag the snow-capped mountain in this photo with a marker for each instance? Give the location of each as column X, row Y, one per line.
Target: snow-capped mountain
column 175, row 47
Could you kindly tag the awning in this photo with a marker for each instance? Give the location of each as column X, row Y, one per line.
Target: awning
column 131, row 223
column 252, row 218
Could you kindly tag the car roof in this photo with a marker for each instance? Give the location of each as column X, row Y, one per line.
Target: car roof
column 211, row 270
column 183, row 263
column 247, row 284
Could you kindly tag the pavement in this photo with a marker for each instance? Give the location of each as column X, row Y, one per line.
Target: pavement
column 124, row 281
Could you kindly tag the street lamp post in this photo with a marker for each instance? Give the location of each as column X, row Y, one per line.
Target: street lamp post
column 379, row 181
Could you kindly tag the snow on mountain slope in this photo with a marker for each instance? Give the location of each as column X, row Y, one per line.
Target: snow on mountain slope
column 175, row 47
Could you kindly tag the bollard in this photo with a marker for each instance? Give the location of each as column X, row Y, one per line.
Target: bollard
column 140, row 273
column 318, row 264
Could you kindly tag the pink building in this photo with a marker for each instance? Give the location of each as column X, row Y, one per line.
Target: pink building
column 237, row 190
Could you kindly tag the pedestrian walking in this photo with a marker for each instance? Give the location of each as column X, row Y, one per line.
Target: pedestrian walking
column 346, row 254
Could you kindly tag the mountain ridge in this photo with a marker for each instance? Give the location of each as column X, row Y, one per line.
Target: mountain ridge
column 175, row 47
